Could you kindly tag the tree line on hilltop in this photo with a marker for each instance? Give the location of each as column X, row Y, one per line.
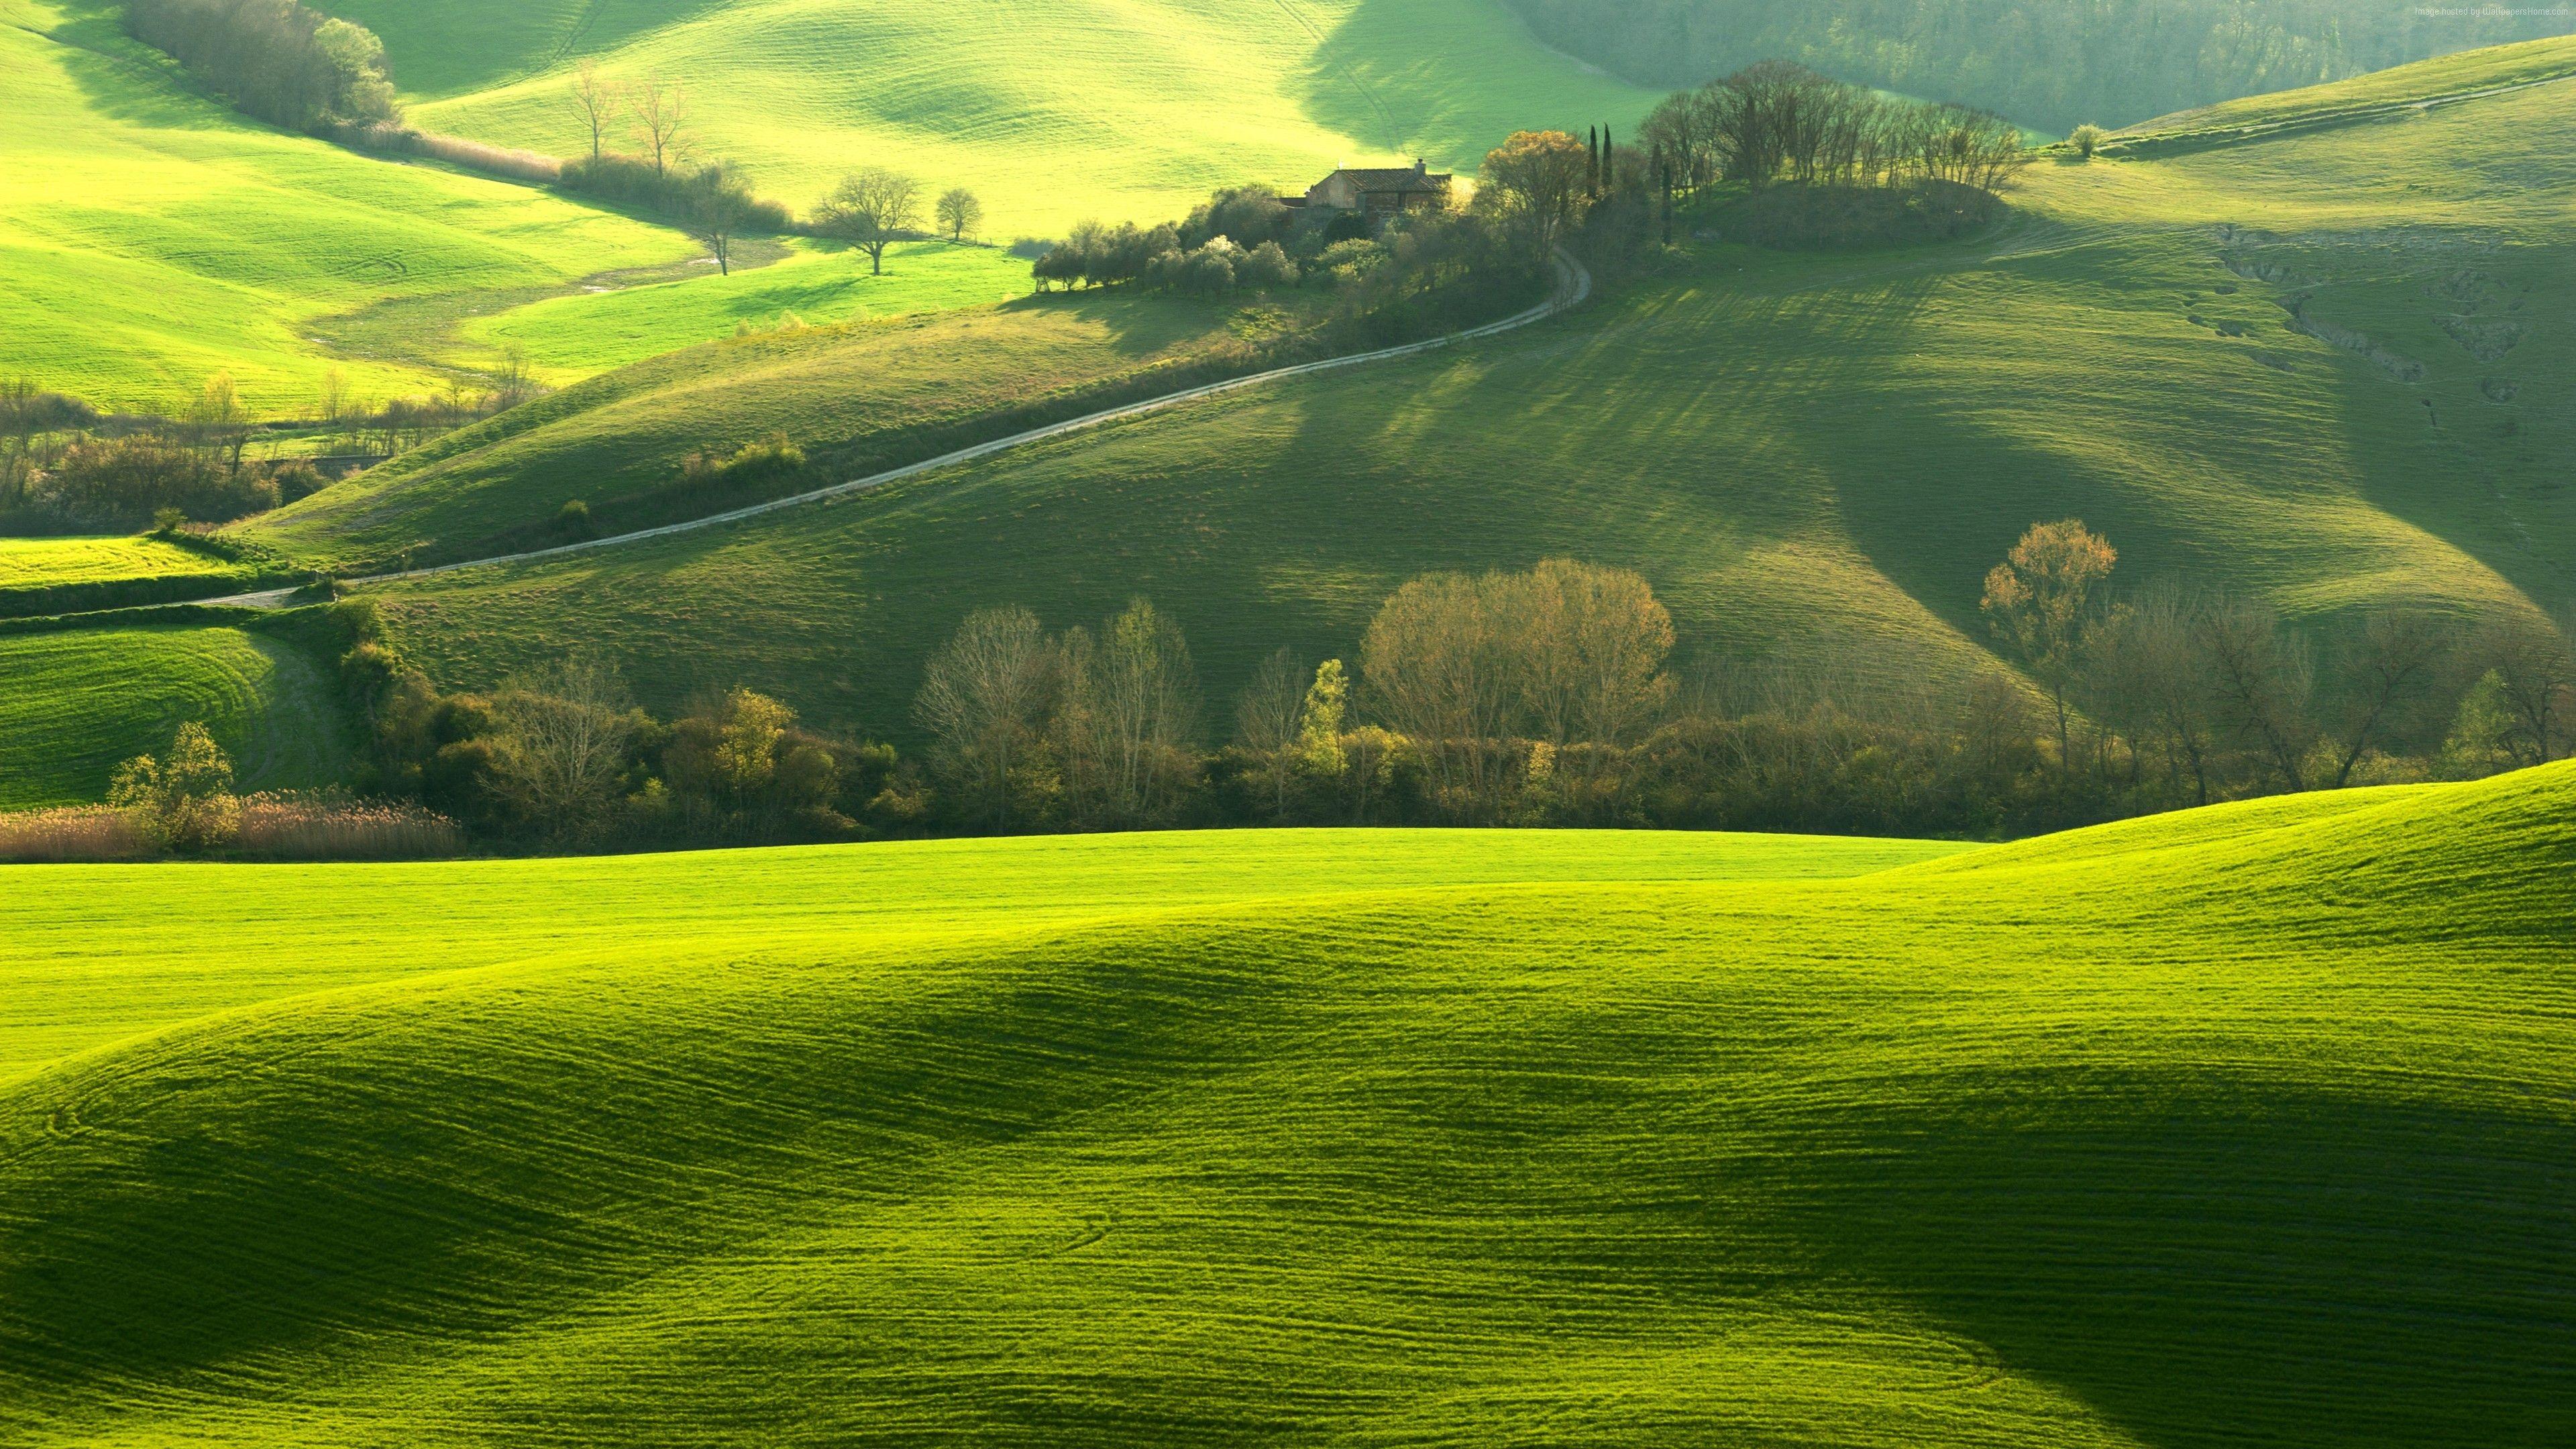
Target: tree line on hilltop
column 1545, row 696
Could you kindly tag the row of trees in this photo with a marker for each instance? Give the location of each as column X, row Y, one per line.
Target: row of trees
column 1544, row 696
column 275, row 59
column 1776, row 121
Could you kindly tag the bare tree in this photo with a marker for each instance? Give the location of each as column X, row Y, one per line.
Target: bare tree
column 563, row 734
column 871, row 210
column 1592, row 647
column 959, row 212
column 984, row 698
column 660, row 109
column 1135, row 700
column 2261, row 677
column 1437, row 663
column 2154, row 676
column 2389, row 675
column 596, row 101
column 1536, row 178
column 2531, row 661
column 1269, row 718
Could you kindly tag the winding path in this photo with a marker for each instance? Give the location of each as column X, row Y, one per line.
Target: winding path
column 1573, row 287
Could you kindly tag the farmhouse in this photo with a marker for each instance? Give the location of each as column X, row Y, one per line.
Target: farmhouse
column 1380, row 192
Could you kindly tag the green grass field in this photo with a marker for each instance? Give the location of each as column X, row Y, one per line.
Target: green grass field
column 77, row 704
column 569, row 338
column 1812, row 457
column 152, row 237
column 1052, row 110
column 2246, row 1126
column 2461, row 74
column 35, row 563
column 857, row 396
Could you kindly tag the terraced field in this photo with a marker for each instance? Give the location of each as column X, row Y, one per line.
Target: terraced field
column 152, row 237
column 2247, row 1126
column 78, row 704
column 2335, row 369
column 1053, row 110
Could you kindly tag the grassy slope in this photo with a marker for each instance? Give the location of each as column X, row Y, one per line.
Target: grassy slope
column 1811, row 457
column 85, row 971
column 858, row 396
column 2258, row 1139
column 2447, row 75
column 152, row 237
column 75, row 705
column 570, row 338
column 32, row 563
column 1051, row 109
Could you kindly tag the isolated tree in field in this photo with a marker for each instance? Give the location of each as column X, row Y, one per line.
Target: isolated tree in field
column 959, row 213
column 983, row 699
column 1537, row 178
column 715, row 208
column 2040, row 601
column 2086, row 139
column 660, row 108
column 596, row 101
column 185, row 799
column 871, row 210
column 1268, row 720
column 561, row 738
column 2262, row 678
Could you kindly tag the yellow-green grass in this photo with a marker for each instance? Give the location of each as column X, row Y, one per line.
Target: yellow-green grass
column 857, row 396
column 152, row 237
column 2259, row 1137
column 35, row 563
column 74, row 705
column 82, row 974
column 1053, row 110
column 1812, row 458
column 2464, row 73
column 569, row 338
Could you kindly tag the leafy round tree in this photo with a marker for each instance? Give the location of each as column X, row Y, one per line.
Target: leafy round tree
column 959, row 213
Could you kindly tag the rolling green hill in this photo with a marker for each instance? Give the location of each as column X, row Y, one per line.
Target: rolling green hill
column 2334, row 368
column 151, row 237
column 1053, row 110
column 2258, row 1138
column 78, row 704
column 856, row 397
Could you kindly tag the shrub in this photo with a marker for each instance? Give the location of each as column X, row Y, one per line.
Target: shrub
column 1264, row 267
column 573, row 519
column 274, row 59
column 126, row 482
column 184, row 801
column 2086, row 139
column 771, row 457
column 671, row 192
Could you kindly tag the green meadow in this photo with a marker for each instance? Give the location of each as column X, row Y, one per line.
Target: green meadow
column 1052, row 110
column 80, row 703
column 35, row 563
column 569, row 338
column 2242, row 1126
column 152, row 237
column 1812, row 457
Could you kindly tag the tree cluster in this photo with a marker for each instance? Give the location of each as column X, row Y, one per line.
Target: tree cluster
column 274, row 59
column 1776, row 122
column 2049, row 65
column 1239, row 239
